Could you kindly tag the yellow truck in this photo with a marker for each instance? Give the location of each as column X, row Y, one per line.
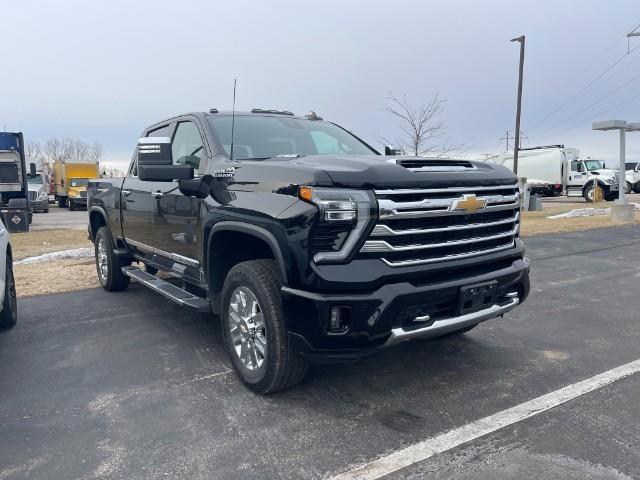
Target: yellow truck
column 71, row 180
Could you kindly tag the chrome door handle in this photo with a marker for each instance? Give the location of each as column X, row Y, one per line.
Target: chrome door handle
column 157, row 194
column 126, row 193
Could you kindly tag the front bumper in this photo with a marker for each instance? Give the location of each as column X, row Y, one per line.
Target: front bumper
column 39, row 205
column 384, row 317
column 81, row 201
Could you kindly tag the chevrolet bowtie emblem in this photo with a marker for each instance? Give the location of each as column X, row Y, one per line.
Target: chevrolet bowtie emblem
column 469, row 203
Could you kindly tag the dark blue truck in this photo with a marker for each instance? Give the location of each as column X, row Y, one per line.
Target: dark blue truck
column 15, row 206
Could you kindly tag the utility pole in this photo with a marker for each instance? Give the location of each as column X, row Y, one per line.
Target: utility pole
column 506, row 137
column 519, row 107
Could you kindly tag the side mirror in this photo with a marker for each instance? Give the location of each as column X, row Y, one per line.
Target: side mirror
column 197, row 187
column 154, row 151
column 392, row 151
column 164, row 173
column 32, row 169
column 637, row 169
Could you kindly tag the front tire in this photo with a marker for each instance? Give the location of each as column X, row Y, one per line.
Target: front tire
column 9, row 314
column 108, row 265
column 254, row 331
column 591, row 195
column 628, row 188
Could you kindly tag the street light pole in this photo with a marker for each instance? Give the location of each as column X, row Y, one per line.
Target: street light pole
column 622, row 172
column 519, row 107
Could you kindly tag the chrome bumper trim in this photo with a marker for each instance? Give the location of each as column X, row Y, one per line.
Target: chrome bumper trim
column 447, row 325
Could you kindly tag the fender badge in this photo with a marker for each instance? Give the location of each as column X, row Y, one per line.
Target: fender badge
column 226, row 173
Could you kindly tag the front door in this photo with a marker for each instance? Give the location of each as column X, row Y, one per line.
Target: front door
column 577, row 174
column 136, row 212
column 176, row 220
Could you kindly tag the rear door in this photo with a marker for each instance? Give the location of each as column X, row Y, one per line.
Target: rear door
column 138, row 204
column 176, row 222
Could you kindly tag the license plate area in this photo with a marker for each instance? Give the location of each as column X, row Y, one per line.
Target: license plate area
column 476, row 297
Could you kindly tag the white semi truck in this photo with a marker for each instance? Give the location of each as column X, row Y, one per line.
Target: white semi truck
column 555, row 170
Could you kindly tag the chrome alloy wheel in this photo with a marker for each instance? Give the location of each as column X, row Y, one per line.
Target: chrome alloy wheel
column 247, row 328
column 103, row 261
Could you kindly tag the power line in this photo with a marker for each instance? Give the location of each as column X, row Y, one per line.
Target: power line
column 590, row 106
column 585, row 88
column 628, row 100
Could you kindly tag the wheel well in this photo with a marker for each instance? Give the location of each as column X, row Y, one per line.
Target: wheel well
column 228, row 248
column 96, row 220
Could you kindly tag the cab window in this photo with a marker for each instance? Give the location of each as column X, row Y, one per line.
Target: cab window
column 187, row 145
column 576, row 166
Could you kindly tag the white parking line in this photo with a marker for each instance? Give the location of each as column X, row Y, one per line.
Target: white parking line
column 446, row 441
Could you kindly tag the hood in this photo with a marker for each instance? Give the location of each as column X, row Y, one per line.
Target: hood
column 35, row 187
column 75, row 191
column 606, row 174
column 379, row 171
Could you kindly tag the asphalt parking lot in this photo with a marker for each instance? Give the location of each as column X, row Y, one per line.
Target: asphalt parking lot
column 59, row 218
column 127, row 385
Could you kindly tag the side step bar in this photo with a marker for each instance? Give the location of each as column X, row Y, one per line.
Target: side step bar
column 178, row 295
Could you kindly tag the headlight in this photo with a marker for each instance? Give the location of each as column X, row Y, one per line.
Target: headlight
column 42, row 196
column 343, row 216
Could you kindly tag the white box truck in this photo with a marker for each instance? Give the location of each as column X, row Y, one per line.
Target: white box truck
column 554, row 170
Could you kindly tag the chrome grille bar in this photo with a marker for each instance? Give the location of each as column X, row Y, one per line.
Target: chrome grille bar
column 387, row 213
column 377, row 246
column 382, row 230
column 456, row 256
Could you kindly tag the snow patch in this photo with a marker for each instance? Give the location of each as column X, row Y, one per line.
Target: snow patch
column 588, row 212
column 74, row 253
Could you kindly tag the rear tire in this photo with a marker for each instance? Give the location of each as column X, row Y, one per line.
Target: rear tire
column 254, row 331
column 9, row 314
column 62, row 202
column 108, row 265
column 628, row 188
column 71, row 206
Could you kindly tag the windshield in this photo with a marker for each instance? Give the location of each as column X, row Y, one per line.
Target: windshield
column 593, row 164
column 78, row 182
column 258, row 137
column 37, row 179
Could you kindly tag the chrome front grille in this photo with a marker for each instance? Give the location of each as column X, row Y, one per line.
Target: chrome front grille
column 33, row 195
column 433, row 225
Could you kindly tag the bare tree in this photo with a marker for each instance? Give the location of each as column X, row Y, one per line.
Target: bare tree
column 72, row 150
column 94, row 153
column 53, row 150
column 33, row 149
column 422, row 129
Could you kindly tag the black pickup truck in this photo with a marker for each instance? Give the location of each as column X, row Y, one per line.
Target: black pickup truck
column 309, row 244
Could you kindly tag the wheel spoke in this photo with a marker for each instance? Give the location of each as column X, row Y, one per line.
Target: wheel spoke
column 246, row 328
column 261, row 345
column 254, row 356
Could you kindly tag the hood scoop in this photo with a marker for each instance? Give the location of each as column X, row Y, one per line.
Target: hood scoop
column 433, row 164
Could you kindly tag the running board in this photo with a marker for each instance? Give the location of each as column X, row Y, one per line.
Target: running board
column 178, row 295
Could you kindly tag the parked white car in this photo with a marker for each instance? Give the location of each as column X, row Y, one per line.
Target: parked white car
column 633, row 177
column 8, row 298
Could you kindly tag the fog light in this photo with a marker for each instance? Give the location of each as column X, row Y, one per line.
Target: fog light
column 339, row 319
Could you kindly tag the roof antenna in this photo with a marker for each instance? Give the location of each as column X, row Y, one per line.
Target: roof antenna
column 233, row 116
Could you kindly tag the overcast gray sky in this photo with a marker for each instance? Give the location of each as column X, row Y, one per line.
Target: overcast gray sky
column 104, row 70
